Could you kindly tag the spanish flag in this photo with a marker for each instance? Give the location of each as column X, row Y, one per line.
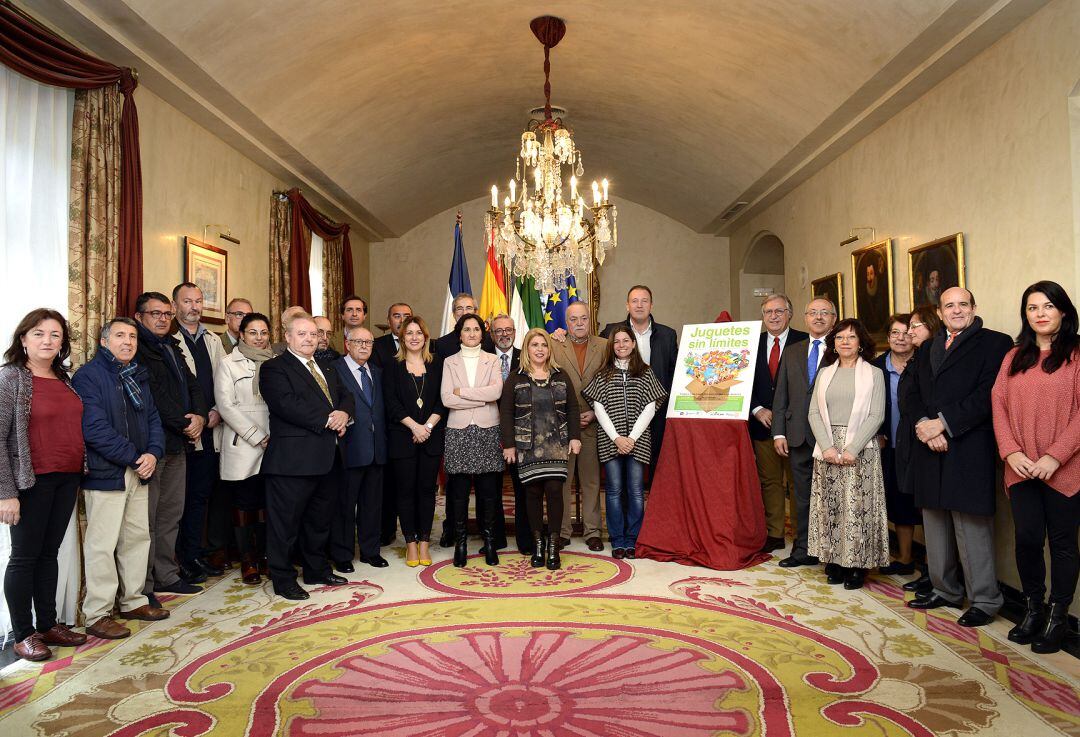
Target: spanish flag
column 493, row 297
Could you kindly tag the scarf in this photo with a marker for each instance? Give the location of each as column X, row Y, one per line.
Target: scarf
column 127, row 378
column 257, row 356
column 860, row 405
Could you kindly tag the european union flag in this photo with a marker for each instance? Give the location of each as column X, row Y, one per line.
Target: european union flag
column 557, row 302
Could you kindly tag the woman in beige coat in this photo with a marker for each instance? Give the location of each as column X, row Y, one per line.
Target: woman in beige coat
column 246, row 421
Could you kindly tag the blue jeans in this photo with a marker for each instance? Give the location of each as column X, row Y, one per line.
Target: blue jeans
column 625, row 478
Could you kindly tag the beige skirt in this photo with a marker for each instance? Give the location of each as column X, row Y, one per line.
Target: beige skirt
column 848, row 523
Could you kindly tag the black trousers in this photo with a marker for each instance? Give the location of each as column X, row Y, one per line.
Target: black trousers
column 298, row 512
column 499, row 528
column 202, row 475
column 535, row 494
column 802, row 472
column 487, row 493
column 1040, row 512
column 358, row 515
column 32, row 570
column 416, row 479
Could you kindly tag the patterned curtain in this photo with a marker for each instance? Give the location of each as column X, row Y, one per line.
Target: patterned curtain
column 94, row 216
column 334, row 287
column 280, row 243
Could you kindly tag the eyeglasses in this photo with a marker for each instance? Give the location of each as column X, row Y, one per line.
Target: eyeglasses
column 912, row 326
column 238, row 314
column 257, row 333
column 361, row 342
column 158, row 314
column 503, row 331
column 897, row 333
column 776, row 313
column 819, row 313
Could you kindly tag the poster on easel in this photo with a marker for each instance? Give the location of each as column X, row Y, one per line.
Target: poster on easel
column 714, row 373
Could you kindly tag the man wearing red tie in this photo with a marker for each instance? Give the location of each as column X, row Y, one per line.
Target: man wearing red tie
column 773, row 470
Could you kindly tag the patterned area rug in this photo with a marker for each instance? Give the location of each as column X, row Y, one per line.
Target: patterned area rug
column 602, row 647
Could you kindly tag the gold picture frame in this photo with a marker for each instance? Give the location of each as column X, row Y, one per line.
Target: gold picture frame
column 208, row 267
column 872, row 288
column 934, row 267
column 830, row 287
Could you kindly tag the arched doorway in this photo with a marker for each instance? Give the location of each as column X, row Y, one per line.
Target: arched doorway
column 762, row 273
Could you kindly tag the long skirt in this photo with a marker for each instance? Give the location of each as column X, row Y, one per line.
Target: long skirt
column 848, row 522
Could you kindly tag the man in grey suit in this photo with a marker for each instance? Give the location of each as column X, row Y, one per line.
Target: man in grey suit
column 790, row 424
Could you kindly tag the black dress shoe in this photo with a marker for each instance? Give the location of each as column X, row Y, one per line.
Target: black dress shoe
column 834, row 574
column 446, row 540
column 922, row 583
column 595, row 544
column 772, row 543
column 179, row 586
column 896, row 568
column 375, row 561
column 291, row 591
column 328, row 579
column 209, row 568
column 344, row 566
column 933, row 601
column 854, row 578
column 974, row 618
column 192, row 574
column 794, row 561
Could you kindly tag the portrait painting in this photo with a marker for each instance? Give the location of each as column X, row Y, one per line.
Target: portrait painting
column 934, row 267
column 872, row 288
column 207, row 267
column 830, row 287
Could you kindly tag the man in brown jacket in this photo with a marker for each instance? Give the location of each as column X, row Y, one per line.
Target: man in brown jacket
column 581, row 355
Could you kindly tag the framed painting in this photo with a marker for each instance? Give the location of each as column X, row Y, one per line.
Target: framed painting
column 830, row 287
column 207, row 266
column 872, row 288
column 934, row 267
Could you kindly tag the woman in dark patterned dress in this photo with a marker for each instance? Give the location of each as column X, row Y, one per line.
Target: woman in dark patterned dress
column 540, row 428
column 472, row 453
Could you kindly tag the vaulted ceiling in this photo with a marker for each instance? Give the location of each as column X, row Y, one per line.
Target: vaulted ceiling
column 394, row 110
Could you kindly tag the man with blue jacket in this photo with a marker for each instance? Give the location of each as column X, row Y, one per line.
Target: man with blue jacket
column 124, row 442
column 364, row 451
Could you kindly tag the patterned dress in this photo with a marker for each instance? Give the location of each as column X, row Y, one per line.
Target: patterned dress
column 539, row 419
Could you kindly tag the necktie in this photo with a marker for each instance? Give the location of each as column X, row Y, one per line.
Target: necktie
column 812, row 361
column 774, row 357
column 505, row 365
column 950, row 339
column 320, row 381
column 365, row 384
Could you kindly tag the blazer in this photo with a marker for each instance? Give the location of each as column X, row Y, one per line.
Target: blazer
column 791, row 402
column 566, row 357
column 217, row 353
column 448, row 345
column 764, row 389
column 478, row 402
column 173, row 397
column 399, row 391
column 300, row 442
column 365, row 441
column 383, row 351
column 664, row 351
column 956, row 384
column 245, row 416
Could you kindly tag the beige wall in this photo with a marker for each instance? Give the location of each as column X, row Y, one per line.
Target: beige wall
column 686, row 271
column 987, row 153
column 191, row 179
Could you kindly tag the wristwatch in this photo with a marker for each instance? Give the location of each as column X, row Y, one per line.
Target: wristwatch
column 429, row 426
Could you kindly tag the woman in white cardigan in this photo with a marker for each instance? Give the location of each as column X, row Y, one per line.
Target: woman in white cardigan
column 848, row 528
column 246, row 421
column 472, row 454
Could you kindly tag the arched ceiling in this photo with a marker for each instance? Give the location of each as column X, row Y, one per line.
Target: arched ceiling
column 396, row 110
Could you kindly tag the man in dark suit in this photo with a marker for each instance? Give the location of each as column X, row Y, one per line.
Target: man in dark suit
column 309, row 412
column 509, row 359
column 448, row 345
column 952, row 468
column 773, row 470
column 791, row 432
column 364, row 450
column 659, row 347
column 386, row 346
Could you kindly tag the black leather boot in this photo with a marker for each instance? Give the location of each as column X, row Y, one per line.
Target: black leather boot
column 1031, row 624
column 1053, row 633
column 461, row 545
column 491, row 555
column 539, row 551
column 551, row 548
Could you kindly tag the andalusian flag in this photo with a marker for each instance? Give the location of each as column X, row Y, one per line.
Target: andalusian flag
column 526, row 309
column 493, row 297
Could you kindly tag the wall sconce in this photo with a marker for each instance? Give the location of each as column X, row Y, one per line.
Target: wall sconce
column 224, row 232
column 852, row 237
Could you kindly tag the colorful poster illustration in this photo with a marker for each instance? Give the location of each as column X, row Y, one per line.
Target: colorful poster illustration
column 714, row 373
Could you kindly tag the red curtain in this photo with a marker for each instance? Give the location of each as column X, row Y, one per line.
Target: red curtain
column 36, row 52
column 304, row 215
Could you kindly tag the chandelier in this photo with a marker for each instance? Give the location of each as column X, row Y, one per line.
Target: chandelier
column 546, row 228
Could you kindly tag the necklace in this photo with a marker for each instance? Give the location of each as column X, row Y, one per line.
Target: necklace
column 419, row 388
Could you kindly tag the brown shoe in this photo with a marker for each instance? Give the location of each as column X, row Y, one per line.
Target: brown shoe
column 33, row 649
column 249, row 572
column 61, row 635
column 146, row 613
column 595, row 544
column 108, row 628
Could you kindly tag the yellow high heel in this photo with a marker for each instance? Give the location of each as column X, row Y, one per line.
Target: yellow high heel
column 408, row 562
column 425, row 561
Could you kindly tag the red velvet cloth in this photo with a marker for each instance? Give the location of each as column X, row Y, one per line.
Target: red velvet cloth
column 306, row 216
column 36, row 52
column 705, row 505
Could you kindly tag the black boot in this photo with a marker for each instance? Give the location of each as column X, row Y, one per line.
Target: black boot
column 539, row 551
column 461, row 546
column 1032, row 622
column 551, row 543
column 491, row 550
column 1053, row 633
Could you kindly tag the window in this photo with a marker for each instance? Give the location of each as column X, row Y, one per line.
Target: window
column 315, row 276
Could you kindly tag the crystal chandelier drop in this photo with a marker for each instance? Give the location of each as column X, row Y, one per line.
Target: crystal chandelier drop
column 544, row 229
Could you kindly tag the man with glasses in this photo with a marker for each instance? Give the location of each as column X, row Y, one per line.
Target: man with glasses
column 323, row 350
column 448, row 345
column 792, row 438
column 182, row 409
column 237, row 309
column 773, row 469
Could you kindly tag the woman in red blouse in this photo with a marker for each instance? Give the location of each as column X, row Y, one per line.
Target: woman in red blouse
column 1037, row 423
column 41, row 463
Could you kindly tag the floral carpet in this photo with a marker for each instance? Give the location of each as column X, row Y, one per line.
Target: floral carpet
column 602, row 647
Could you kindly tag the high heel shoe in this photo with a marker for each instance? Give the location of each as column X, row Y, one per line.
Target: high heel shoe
column 425, row 560
column 411, row 562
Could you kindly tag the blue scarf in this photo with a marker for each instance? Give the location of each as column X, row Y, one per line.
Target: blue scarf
column 127, row 378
